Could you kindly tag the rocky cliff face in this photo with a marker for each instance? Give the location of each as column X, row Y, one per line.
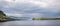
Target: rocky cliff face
column 2, row 16
column 2, row 13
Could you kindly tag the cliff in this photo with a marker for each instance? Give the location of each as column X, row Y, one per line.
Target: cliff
column 4, row 18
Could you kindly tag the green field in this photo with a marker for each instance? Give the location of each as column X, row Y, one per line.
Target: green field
column 45, row 18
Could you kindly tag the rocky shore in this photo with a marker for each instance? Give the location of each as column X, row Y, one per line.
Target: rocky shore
column 7, row 19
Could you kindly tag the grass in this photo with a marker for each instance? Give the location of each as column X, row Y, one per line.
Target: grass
column 45, row 18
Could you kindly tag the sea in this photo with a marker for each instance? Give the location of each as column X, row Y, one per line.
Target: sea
column 29, row 22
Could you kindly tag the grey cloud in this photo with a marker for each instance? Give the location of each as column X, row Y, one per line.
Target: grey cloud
column 29, row 8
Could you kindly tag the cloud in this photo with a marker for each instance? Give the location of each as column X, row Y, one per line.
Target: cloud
column 36, row 2
column 13, row 14
column 25, row 15
column 31, row 8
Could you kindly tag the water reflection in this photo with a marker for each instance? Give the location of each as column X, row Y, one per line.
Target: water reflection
column 32, row 23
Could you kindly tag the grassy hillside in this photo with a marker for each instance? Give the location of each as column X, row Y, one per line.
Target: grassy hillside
column 4, row 18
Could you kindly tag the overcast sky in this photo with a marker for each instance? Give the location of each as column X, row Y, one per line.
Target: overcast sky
column 31, row 8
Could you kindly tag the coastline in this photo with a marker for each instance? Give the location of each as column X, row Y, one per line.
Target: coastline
column 45, row 18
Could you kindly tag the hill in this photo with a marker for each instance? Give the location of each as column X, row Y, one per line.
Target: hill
column 4, row 18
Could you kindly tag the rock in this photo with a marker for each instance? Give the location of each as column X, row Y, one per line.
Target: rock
column 4, row 18
column 2, row 13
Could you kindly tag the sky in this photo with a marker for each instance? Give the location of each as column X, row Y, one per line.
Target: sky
column 31, row 8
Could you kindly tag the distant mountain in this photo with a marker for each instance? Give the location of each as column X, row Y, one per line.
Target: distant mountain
column 20, row 18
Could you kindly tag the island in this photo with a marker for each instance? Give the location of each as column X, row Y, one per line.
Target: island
column 45, row 18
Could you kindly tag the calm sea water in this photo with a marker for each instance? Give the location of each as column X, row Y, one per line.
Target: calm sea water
column 32, row 23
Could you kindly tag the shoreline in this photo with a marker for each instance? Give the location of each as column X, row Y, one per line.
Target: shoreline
column 45, row 18
column 8, row 19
